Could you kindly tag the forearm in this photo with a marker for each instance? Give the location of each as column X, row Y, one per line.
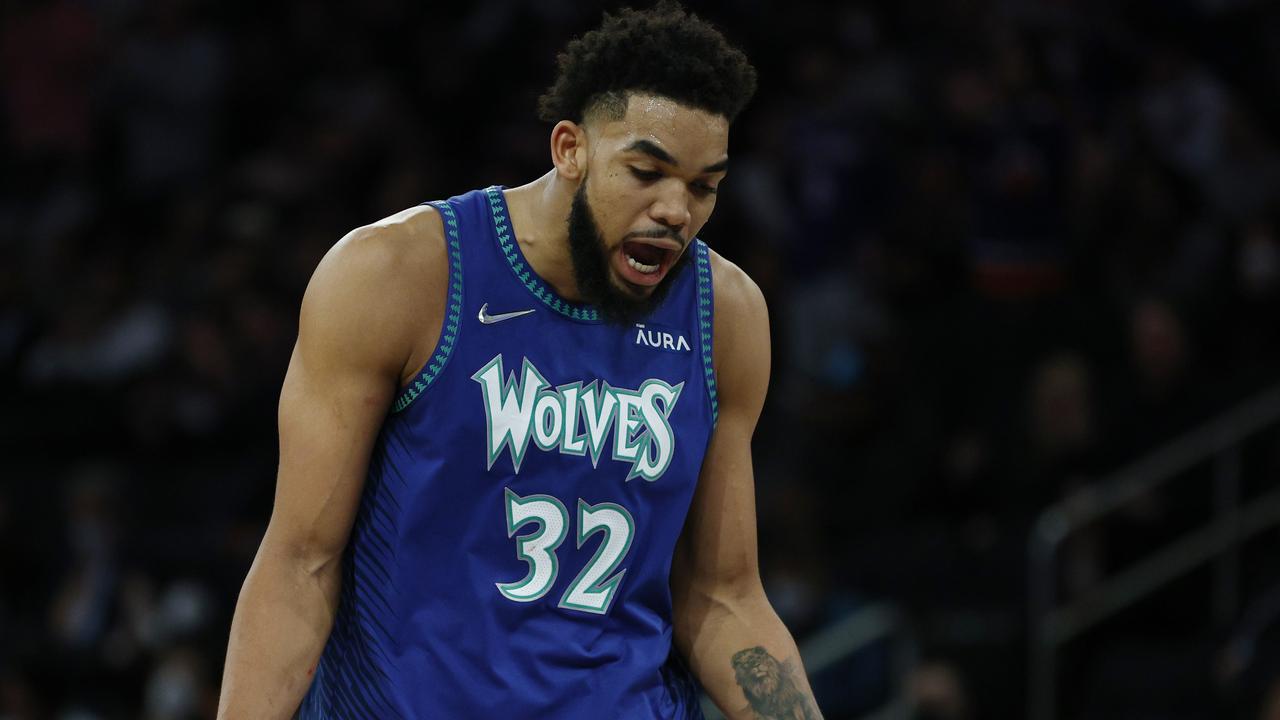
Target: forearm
column 744, row 656
column 281, row 623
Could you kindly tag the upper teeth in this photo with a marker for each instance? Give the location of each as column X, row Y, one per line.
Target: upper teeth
column 641, row 266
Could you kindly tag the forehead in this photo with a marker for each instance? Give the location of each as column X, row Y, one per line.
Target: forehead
column 695, row 138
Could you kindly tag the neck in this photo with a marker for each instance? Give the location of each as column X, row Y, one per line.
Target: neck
column 539, row 219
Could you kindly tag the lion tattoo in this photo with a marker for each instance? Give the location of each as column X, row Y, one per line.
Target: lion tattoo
column 771, row 692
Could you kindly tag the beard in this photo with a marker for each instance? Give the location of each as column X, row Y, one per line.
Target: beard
column 590, row 255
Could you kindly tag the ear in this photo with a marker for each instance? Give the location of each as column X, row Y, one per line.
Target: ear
column 569, row 150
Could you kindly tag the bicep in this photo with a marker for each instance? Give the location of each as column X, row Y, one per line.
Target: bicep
column 328, row 422
column 341, row 380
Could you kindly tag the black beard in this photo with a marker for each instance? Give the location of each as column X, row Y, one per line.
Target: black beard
column 591, row 270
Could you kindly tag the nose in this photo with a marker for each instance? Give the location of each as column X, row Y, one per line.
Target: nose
column 671, row 208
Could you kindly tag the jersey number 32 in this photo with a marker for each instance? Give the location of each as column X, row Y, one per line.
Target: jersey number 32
column 594, row 588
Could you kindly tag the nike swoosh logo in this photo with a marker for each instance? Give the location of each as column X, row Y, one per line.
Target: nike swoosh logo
column 488, row 319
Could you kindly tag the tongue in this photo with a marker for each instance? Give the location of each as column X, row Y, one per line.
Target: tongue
column 644, row 253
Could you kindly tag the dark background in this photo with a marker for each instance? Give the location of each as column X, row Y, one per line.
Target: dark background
column 1007, row 246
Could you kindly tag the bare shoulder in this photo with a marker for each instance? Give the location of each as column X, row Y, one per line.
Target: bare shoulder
column 377, row 293
column 740, row 332
column 395, row 249
column 740, row 309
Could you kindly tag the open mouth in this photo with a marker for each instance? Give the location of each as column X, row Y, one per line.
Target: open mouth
column 646, row 258
column 643, row 263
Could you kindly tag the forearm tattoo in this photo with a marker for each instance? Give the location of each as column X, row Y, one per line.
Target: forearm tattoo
column 771, row 687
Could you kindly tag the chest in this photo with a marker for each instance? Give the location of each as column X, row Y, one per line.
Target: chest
column 615, row 400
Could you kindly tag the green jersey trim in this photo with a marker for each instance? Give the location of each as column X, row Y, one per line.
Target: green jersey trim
column 705, row 307
column 525, row 274
column 452, row 319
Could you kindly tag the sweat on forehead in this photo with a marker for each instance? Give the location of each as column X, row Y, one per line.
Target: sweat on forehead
column 612, row 106
column 645, row 113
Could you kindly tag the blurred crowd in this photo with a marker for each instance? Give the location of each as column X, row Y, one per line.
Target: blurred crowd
column 1007, row 246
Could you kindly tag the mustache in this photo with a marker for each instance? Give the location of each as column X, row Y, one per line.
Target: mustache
column 658, row 233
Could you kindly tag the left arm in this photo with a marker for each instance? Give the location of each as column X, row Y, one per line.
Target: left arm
column 724, row 625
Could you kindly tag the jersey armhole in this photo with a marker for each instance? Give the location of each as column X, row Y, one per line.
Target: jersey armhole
column 706, row 307
column 452, row 313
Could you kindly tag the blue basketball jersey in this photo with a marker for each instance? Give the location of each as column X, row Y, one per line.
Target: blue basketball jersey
column 512, row 550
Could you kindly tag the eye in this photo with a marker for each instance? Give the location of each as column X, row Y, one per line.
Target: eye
column 645, row 175
column 702, row 189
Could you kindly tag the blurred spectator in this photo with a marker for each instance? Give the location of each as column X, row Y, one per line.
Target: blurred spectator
column 938, row 693
column 166, row 93
column 83, row 604
column 48, row 55
column 1271, row 703
column 1063, row 421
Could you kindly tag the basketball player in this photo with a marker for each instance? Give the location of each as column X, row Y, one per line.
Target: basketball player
column 515, row 475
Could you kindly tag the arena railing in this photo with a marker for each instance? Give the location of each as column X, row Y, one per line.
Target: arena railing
column 1219, row 441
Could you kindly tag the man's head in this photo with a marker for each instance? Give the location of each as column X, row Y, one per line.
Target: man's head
column 642, row 107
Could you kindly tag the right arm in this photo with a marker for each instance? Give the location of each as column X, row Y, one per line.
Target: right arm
column 360, row 335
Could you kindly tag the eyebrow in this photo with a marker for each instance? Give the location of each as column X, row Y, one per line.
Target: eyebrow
column 648, row 148
column 717, row 167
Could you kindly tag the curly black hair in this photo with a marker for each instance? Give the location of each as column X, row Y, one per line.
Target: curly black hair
column 662, row 51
